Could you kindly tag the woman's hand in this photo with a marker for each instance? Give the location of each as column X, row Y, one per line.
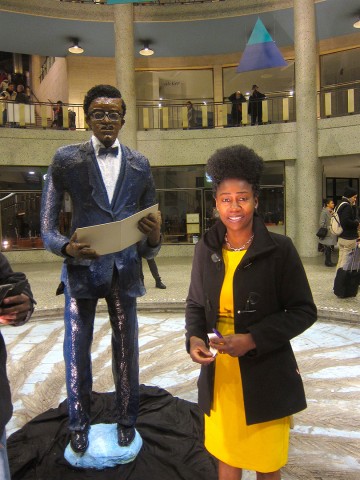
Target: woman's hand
column 234, row 345
column 199, row 352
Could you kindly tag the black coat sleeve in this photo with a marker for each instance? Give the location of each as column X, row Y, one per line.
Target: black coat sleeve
column 297, row 310
column 195, row 319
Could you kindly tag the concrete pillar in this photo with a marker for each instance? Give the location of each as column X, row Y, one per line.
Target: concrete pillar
column 290, row 210
column 307, row 193
column 125, row 69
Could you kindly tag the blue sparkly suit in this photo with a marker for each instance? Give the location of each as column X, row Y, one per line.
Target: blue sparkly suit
column 115, row 277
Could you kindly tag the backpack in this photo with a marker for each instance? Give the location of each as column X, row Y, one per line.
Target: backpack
column 335, row 225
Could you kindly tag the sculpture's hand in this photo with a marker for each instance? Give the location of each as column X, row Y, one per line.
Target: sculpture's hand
column 82, row 251
column 150, row 226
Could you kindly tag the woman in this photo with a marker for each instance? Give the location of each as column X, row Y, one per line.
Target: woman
column 250, row 285
column 330, row 239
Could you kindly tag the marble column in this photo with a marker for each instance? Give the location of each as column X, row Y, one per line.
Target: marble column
column 125, row 69
column 308, row 172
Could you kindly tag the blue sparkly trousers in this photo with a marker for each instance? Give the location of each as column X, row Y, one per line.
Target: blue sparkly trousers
column 79, row 326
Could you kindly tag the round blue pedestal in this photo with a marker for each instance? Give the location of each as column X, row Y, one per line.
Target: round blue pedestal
column 103, row 450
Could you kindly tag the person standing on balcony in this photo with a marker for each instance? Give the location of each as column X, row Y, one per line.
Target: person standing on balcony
column 106, row 182
column 8, row 95
column 191, row 114
column 237, row 99
column 21, row 96
column 255, row 105
column 58, row 115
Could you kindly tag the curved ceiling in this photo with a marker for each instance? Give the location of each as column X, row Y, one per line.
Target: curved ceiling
column 30, row 34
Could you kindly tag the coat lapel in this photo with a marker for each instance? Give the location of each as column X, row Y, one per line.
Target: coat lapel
column 96, row 183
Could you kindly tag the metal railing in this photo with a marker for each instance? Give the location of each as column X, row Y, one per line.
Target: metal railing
column 339, row 100
column 165, row 114
column 41, row 115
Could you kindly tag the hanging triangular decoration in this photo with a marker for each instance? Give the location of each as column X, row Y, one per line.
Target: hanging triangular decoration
column 261, row 51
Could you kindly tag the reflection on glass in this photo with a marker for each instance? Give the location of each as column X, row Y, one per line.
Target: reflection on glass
column 181, row 215
column 20, row 220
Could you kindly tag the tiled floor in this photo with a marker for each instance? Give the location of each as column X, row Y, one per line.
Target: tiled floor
column 325, row 441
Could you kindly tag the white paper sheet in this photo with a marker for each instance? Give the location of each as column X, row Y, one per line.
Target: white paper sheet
column 114, row 236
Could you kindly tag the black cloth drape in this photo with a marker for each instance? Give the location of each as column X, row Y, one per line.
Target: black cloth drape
column 171, row 429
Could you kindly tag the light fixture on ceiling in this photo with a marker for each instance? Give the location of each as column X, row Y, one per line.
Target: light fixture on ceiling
column 75, row 47
column 146, row 50
column 357, row 23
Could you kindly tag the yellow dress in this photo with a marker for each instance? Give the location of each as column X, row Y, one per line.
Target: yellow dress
column 262, row 447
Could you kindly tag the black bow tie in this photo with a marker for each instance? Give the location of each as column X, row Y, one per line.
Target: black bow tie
column 108, row 151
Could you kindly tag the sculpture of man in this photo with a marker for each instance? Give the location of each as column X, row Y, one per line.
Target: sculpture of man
column 106, row 182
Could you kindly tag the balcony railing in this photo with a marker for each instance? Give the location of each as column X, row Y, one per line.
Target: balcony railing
column 172, row 114
column 166, row 114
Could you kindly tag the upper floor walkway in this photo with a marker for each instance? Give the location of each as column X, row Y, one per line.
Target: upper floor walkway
column 164, row 114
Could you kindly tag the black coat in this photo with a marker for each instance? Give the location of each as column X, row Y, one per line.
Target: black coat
column 7, row 276
column 236, row 109
column 272, row 268
column 255, row 103
column 348, row 220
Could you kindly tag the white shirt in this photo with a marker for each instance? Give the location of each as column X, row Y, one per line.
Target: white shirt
column 109, row 166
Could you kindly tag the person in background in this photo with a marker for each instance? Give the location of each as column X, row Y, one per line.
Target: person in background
column 330, row 240
column 255, row 105
column 14, row 310
column 191, row 114
column 58, row 115
column 237, row 99
column 21, row 96
column 349, row 223
column 252, row 386
column 155, row 273
column 8, row 95
column 106, row 182
column 28, row 93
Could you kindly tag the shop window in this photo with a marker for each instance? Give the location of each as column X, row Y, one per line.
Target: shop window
column 20, row 204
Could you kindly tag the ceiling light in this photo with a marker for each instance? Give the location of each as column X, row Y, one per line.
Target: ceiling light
column 75, row 47
column 357, row 23
column 146, row 51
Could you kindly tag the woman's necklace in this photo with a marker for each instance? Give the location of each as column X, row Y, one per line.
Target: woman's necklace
column 230, row 247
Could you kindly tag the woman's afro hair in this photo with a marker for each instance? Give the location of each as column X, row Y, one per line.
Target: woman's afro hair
column 238, row 162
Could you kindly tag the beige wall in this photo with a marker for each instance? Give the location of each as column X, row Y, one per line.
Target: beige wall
column 85, row 72
column 54, row 86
